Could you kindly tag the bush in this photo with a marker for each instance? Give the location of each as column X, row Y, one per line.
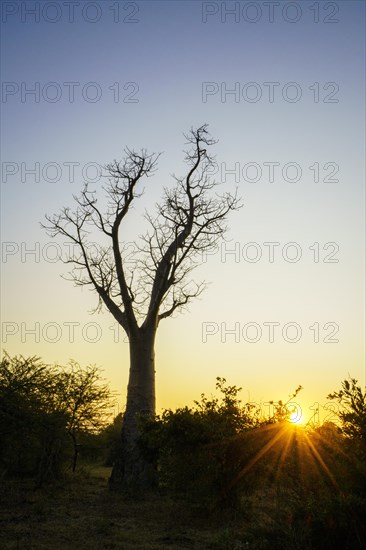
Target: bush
column 110, row 441
column 201, row 450
column 33, row 437
column 220, row 455
column 352, row 413
column 45, row 412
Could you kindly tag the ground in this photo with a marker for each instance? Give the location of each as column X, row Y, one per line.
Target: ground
column 84, row 514
column 81, row 513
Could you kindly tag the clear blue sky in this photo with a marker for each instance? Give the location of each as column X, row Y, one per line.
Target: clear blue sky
column 174, row 65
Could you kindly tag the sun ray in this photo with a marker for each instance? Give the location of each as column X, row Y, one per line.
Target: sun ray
column 321, row 461
column 284, row 452
column 265, row 449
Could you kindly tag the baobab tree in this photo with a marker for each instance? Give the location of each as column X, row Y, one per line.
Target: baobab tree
column 189, row 220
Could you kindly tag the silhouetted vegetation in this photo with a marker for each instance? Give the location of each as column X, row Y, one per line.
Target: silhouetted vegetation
column 352, row 413
column 190, row 219
column 46, row 414
column 225, row 460
column 228, row 477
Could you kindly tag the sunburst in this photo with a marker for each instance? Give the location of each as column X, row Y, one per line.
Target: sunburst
column 289, row 443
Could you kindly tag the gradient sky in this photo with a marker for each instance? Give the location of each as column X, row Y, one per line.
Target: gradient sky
column 168, row 53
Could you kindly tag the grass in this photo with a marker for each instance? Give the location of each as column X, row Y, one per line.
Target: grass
column 83, row 513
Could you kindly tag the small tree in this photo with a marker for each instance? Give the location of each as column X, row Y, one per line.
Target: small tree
column 189, row 220
column 201, row 450
column 85, row 400
column 32, row 430
column 282, row 410
column 352, row 412
column 41, row 406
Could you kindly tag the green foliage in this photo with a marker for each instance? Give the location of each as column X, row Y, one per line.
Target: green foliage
column 110, row 441
column 43, row 411
column 266, row 483
column 84, row 399
column 282, row 411
column 32, row 434
column 352, row 414
column 297, row 488
column 212, row 453
column 200, row 450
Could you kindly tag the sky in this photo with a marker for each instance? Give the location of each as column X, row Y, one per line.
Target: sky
column 281, row 86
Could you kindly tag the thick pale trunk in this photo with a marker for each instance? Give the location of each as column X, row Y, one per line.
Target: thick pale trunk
column 133, row 472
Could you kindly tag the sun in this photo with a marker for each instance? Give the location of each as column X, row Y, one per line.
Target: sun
column 296, row 418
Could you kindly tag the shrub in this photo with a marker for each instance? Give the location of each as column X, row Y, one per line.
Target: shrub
column 201, row 450
column 44, row 411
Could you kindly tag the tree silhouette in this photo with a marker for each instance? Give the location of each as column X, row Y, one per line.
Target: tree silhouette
column 190, row 219
column 41, row 406
column 85, row 399
column 352, row 412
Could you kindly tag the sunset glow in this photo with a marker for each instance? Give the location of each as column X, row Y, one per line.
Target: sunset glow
column 183, row 262
column 285, row 300
column 296, row 418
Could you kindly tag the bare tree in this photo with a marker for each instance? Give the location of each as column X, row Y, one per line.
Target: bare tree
column 190, row 219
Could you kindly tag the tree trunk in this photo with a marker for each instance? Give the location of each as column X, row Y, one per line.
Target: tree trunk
column 133, row 472
column 76, row 451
